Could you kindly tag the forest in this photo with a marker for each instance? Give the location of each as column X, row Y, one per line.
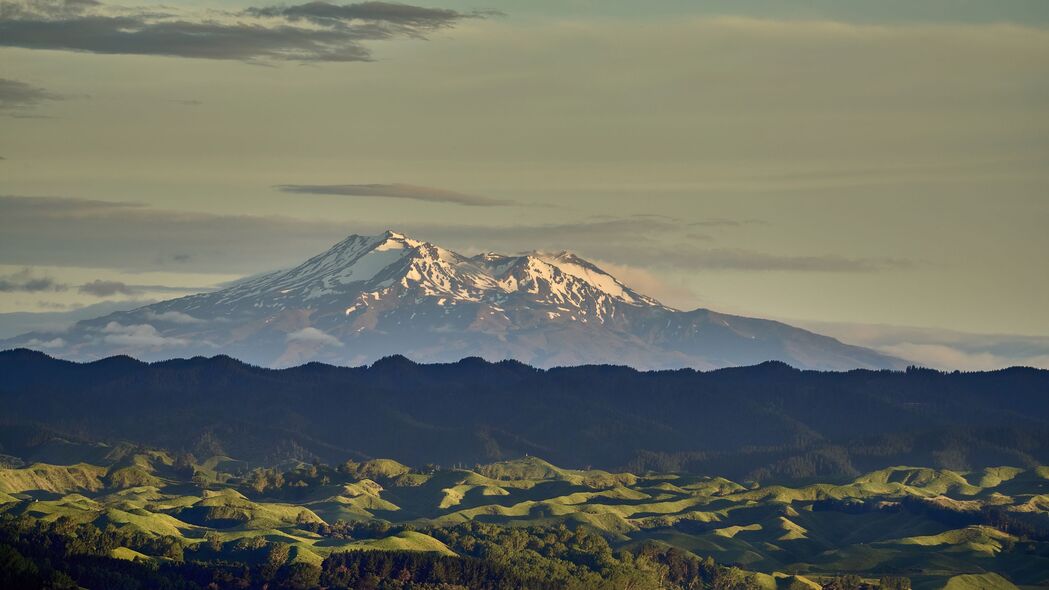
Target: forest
column 765, row 423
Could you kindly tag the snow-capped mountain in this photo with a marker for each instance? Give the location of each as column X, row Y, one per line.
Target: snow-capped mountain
column 373, row 296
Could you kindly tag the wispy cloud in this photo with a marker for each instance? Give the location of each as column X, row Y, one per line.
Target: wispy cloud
column 46, row 344
column 144, row 335
column 749, row 260
column 100, row 288
column 27, row 281
column 310, row 32
column 17, row 96
column 53, row 305
column 655, row 242
column 395, row 191
column 173, row 317
column 57, row 231
column 108, row 288
column 725, row 222
column 670, row 291
column 77, row 232
column 413, row 18
column 314, row 336
column 21, row 322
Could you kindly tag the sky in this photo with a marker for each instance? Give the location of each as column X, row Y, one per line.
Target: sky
column 877, row 171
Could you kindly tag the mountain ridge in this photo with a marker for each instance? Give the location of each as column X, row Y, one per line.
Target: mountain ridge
column 368, row 297
column 768, row 421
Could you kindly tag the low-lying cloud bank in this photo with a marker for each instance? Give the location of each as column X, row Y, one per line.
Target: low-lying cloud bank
column 942, row 349
column 21, row 322
column 142, row 335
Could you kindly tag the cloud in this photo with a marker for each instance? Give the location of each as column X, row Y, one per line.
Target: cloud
column 395, row 191
column 608, row 232
column 415, row 18
column 942, row 356
column 651, row 241
column 748, row 260
column 939, row 348
column 668, row 292
column 107, row 288
column 313, row 336
column 100, row 288
column 65, row 206
column 725, row 222
column 81, row 232
column 311, row 32
column 54, row 305
column 138, row 335
column 174, row 317
column 25, row 281
column 19, row 96
column 46, row 344
column 20, row 322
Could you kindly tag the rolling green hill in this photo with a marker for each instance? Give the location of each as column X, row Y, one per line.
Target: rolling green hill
column 942, row 528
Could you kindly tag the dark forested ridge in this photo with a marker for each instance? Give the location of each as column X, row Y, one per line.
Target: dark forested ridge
column 765, row 422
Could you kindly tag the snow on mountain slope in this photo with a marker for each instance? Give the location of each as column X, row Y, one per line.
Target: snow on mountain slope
column 371, row 296
column 571, row 264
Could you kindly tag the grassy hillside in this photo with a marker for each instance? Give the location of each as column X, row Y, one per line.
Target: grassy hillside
column 944, row 529
column 52, row 478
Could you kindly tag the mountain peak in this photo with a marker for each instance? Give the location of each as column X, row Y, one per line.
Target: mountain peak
column 398, row 236
column 370, row 296
column 571, row 264
column 356, row 241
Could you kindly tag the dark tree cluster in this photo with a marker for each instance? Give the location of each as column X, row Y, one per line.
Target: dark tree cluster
column 64, row 556
column 1031, row 526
